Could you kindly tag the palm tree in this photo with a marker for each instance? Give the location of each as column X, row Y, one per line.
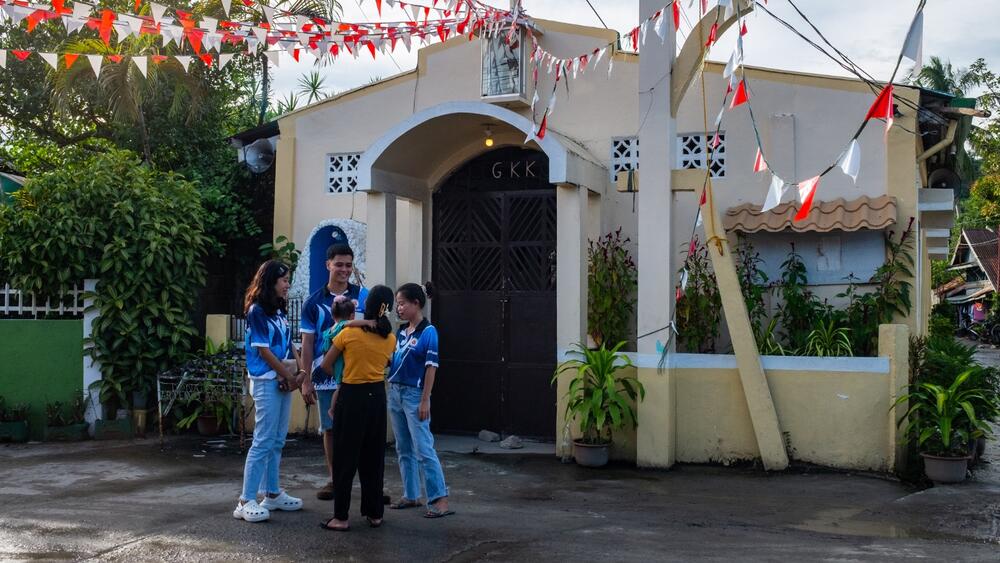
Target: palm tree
column 328, row 10
column 312, row 85
column 124, row 85
column 285, row 105
column 942, row 77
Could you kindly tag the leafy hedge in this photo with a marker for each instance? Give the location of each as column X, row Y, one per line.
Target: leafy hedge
column 139, row 232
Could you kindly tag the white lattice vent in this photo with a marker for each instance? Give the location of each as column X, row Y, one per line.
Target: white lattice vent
column 624, row 155
column 342, row 172
column 691, row 153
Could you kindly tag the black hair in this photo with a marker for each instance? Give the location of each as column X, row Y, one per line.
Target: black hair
column 377, row 307
column 339, row 249
column 261, row 290
column 417, row 293
column 343, row 309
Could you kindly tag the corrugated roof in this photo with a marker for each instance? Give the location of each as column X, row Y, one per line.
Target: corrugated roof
column 838, row 214
column 986, row 247
column 957, row 281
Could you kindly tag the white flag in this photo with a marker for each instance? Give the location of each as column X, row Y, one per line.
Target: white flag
column 850, row 163
column 252, row 44
column 226, row 5
column 718, row 118
column 304, row 39
column 534, row 100
column 184, row 60
column 914, row 46
column 134, row 24
column 142, row 64
column 224, row 59
column 52, row 59
column 600, row 55
column 684, row 274
column 642, row 33
column 95, row 63
column 268, row 13
column 611, row 65
column 774, row 193
column 72, row 24
column 81, row 10
column 16, row 13
column 661, row 24
column 209, row 24
column 730, row 66
column 212, row 41
column 3, row 58
column 273, row 56
column 157, row 11
column 416, row 12
column 261, row 34
column 406, row 41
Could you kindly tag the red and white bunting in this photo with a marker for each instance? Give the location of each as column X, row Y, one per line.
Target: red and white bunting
column 774, row 194
column 759, row 164
column 850, row 163
column 807, row 191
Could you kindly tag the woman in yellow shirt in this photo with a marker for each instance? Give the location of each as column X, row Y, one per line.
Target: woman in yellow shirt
column 359, row 419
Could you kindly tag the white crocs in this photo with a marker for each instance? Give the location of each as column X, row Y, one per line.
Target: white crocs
column 282, row 502
column 251, row 512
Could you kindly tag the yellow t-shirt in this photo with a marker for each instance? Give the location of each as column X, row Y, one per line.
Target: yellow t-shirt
column 366, row 354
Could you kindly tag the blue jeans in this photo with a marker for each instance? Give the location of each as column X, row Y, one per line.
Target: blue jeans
column 273, row 409
column 324, row 397
column 415, row 445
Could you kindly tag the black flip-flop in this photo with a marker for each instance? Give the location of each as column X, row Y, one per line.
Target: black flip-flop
column 325, row 526
column 434, row 512
column 373, row 524
column 403, row 504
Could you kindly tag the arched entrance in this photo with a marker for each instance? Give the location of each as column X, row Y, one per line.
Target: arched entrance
column 494, row 267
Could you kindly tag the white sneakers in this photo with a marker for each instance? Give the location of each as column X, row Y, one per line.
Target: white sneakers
column 251, row 511
column 284, row 501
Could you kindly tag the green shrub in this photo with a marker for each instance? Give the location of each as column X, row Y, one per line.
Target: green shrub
column 611, row 283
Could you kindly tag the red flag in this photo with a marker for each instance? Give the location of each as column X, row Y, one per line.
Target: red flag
column 295, row 54
column 115, row 58
column 758, row 163
column 371, row 48
column 704, row 198
column 715, row 141
column 677, row 14
column 58, row 6
column 70, row 59
column 159, row 58
column 378, row 5
column 194, row 37
column 34, row 18
column 21, row 55
column 542, row 127
column 807, row 190
column 677, row 294
column 743, row 30
column 712, row 34
column 634, row 34
column 882, row 107
column 740, row 97
column 207, row 58
column 107, row 19
column 693, row 246
column 441, row 33
column 137, row 4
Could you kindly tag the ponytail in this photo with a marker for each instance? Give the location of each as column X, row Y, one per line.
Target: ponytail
column 377, row 308
column 416, row 293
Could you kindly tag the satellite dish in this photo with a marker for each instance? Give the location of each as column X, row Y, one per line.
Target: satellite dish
column 944, row 178
column 259, row 155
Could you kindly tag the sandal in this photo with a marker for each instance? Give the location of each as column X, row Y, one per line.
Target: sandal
column 404, row 503
column 326, row 526
column 374, row 522
column 435, row 512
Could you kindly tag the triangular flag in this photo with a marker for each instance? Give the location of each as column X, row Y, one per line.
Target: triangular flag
column 184, row 60
column 661, row 26
column 774, row 193
column 134, row 24
column 730, row 66
column 303, row 38
column 273, row 56
column 20, row 54
column 260, row 33
column 743, row 29
column 159, row 58
column 534, row 100
column 712, row 34
column 807, row 191
column 16, row 13
column 95, row 63
column 115, row 58
column 141, row 63
column 759, row 164
column 72, row 24
column 850, row 163
column 157, row 10
column 914, row 45
column 226, row 4
column 718, row 118
column 268, row 13
column 51, row 58
column 540, row 134
column 3, row 58
column 81, row 11
column 882, row 107
column 209, row 24
column 224, row 59
column 740, row 97
column 677, row 14
column 378, row 6
column 206, row 58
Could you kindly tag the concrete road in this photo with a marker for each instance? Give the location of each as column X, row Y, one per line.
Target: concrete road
column 127, row 501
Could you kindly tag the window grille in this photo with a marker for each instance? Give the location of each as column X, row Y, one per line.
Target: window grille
column 624, row 155
column 502, row 65
column 691, row 153
column 342, row 172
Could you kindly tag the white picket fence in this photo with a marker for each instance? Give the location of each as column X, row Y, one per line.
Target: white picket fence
column 18, row 304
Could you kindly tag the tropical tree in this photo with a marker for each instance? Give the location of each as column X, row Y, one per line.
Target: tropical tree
column 941, row 76
column 312, row 85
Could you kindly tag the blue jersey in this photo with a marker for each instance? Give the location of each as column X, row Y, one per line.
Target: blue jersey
column 317, row 314
column 269, row 332
column 414, row 353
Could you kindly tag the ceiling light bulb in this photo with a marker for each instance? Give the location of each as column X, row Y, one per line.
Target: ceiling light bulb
column 489, row 138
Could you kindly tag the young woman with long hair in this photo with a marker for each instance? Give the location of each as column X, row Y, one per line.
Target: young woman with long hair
column 411, row 379
column 272, row 364
column 359, row 411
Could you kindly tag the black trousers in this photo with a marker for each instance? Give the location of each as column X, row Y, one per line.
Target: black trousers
column 359, row 440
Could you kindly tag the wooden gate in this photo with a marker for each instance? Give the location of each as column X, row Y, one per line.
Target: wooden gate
column 494, row 267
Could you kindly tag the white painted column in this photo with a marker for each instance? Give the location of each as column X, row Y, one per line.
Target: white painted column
column 381, row 244
column 409, row 241
column 91, row 368
column 572, row 211
column 656, row 145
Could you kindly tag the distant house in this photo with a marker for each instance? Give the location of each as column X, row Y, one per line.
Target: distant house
column 9, row 183
column 977, row 260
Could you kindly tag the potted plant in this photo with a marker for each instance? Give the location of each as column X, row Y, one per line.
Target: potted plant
column 115, row 425
column 611, row 279
column 13, row 422
column 208, row 407
column 943, row 419
column 66, row 422
column 599, row 398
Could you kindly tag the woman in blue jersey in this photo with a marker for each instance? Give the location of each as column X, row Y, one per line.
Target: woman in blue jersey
column 411, row 379
column 272, row 364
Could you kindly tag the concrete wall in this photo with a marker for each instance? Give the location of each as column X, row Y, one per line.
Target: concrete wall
column 27, row 376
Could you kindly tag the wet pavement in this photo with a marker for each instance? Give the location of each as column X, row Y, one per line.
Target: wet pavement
column 130, row 501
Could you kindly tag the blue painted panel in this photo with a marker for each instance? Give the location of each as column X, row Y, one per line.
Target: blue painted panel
column 829, row 257
column 324, row 238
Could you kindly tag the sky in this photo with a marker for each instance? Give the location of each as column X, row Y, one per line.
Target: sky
column 869, row 32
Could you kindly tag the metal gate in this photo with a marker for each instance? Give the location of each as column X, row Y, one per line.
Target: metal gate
column 494, row 269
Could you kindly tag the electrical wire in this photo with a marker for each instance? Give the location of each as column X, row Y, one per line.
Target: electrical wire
column 392, row 58
column 593, row 9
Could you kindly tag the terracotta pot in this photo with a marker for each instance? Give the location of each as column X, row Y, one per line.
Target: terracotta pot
column 590, row 455
column 945, row 469
column 209, row 426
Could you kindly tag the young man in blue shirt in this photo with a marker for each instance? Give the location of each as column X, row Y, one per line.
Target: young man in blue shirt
column 317, row 317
